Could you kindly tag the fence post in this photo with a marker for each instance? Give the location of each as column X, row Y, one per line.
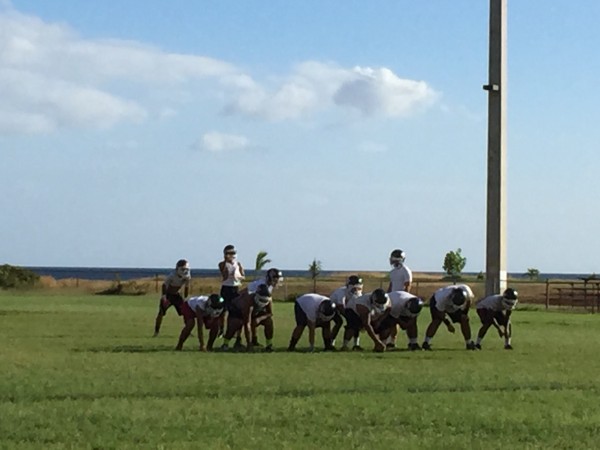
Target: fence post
column 547, row 293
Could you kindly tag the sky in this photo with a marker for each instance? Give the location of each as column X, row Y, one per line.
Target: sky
column 136, row 133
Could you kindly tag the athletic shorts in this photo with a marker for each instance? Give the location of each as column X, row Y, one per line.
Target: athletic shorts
column 175, row 300
column 353, row 320
column 229, row 293
column 455, row 316
column 488, row 316
column 405, row 321
column 385, row 324
column 235, row 313
column 300, row 315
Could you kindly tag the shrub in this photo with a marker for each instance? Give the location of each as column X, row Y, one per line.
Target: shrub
column 129, row 288
column 17, row 277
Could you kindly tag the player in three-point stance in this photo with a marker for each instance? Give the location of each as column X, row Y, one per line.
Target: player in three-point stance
column 340, row 297
column 271, row 279
column 179, row 278
column 404, row 311
column 495, row 310
column 207, row 311
column 362, row 312
column 312, row 311
column 455, row 302
column 247, row 312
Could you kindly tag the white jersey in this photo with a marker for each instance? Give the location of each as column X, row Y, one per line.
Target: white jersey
column 443, row 300
column 310, row 305
column 174, row 280
column 253, row 286
column 341, row 296
column 495, row 303
column 399, row 301
column 399, row 276
column 200, row 302
column 235, row 274
column 365, row 300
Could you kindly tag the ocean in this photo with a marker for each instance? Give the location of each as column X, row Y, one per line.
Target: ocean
column 130, row 273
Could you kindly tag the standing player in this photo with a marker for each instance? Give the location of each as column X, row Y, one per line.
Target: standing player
column 361, row 312
column 404, row 311
column 454, row 301
column 206, row 310
column 495, row 310
column 314, row 311
column 177, row 279
column 247, row 312
column 340, row 297
column 232, row 274
column 400, row 275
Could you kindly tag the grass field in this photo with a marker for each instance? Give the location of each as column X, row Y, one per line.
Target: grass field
column 84, row 372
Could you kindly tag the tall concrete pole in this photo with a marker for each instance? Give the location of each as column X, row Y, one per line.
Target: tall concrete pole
column 496, row 179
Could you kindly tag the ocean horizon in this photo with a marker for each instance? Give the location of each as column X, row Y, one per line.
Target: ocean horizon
column 132, row 273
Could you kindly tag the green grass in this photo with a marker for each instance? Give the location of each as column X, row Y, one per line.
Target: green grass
column 83, row 372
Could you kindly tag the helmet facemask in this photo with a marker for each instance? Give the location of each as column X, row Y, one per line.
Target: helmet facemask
column 183, row 270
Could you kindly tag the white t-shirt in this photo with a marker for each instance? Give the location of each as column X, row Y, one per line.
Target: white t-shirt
column 399, row 276
column 365, row 300
column 341, row 296
column 235, row 275
column 200, row 302
column 443, row 301
column 310, row 305
column 253, row 285
column 494, row 303
column 399, row 301
column 174, row 280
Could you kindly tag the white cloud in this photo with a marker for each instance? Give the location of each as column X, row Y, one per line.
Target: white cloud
column 314, row 86
column 216, row 142
column 52, row 78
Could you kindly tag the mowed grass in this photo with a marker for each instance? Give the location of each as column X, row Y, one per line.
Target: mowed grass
column 84, row 372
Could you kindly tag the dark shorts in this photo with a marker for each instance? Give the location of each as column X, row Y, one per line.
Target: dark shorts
column 353, row 320
column 488, row 316
column 229, row 293
column 385, row 324
column 175, row 300
column 300, row 315
column 455, row 316
column 235, row 313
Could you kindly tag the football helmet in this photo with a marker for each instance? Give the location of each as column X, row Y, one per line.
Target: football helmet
column 326, row 310
column 379, row 299
column 510, row 298
column 215, row 305
column 183, row 269
column 415, row 305
column 458, row 296
column 262, row 296
column 397, row 257
column 274, row 276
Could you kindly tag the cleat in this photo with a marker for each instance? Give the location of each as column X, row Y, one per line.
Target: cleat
column 478, row 346
column 508, row 347
column 390, row 346
column 414, row 347
column 269, row 348
column 470, row 346
column 357, row 348
column 426, row 346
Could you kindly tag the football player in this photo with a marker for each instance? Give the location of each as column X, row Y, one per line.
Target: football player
column 339, row 297
column 360, row 312
column 247, row 312
column 206, row 310
column 455, row 302
column 232, row 274
column 312, row 311
column 404, row 311
column 272, row 279
column 495, row 310
column 179, row 278
column 400, row 275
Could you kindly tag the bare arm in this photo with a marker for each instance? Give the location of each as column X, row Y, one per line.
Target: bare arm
column 389, row 287
column 247, row 323
column 241, row 269
column 365, row 317
column 200, row 321
column 311, row 335
column 186, row 289
column 223, row 270
column 407, row 286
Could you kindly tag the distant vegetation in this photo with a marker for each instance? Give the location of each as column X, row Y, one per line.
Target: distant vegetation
column 315, row 270
column 454, row 263
column 261, row 260
column 532, row 273
column 12, row 277
column 128, row 288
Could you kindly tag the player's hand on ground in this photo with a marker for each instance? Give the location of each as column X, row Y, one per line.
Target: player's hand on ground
column 379, row 347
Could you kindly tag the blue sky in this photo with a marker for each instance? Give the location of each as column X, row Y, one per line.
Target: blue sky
column 135, row 133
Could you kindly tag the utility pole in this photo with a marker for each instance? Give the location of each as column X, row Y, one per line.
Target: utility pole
column 496, row 276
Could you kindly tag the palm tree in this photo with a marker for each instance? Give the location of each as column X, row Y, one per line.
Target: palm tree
column 315, row 270
column 261, row 261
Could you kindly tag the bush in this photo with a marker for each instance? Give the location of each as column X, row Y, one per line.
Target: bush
column 17, row 277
